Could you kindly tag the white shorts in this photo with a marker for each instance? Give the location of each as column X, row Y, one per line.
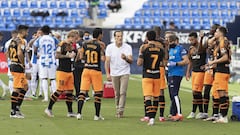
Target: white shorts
column 35, row 69
column 46, row 72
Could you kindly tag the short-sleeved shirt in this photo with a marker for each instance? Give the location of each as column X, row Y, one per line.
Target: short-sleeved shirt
column 118, row 66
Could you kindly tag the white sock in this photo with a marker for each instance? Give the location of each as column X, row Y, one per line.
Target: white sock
column 28, row 93
column 10, row 85
column 40, row 87
column 177, row 104
column 34, row 85
column 53, row 86
column 45, row 88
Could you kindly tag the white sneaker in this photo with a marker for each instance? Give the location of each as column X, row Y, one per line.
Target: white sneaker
column 44, row 100
column 16, row 116
column 87, row 98
column 98, row 118
column 221, row 120
column 191, row 115
column 19, row 114
column 212, row 118
column 201, row 116
column 151, row 122
column 79, row 116
column 49, row 112
column 71, row 114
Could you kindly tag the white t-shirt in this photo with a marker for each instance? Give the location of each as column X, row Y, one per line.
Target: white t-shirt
column 118, row 66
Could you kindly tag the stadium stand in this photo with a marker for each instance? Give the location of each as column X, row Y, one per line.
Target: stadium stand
column 15, row 11
column 187, row 14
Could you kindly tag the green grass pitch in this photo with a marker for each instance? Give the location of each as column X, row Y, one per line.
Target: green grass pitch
column 37, row 123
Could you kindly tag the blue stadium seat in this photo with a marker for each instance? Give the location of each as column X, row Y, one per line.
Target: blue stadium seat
column 118, row 27
column 223, row 5
column 82, row 5
column 43, row 4
column 205, row 21
column 58, row 20
column 10, row 27
column 174, row 5
column 185, row 13
column 128, row 26
column 62, row 5
column 48, row 21
column 224, row 13
column 72, row 4
column 186, row 27
column 54, row 12
column 19, row 20
column 175, row 13
column 186, row 21
column 14, row 4
column 213, row 5
column 79, row 21
column 156, row 21
column 24, row 4
column 155, row 5
column 2, row 27
column 102, row 5
column 196, row 27
column 6, row 12
column 33, row 4
column 25, row 12
column 137, row 20
column 147, row 27
column 166, row 13
column 102, row 13
column 147, row 13
column 29, row 21
column 233, row 13
column 164, row 5
column 146, row 5
column 194, row 5
column 195, row 13
column 204, row 13
column 16, row 12
column 156, row 13
column 233, row 5
column 196, row 21
column 4, row 4
column 184, row 5
column 68, row 21
column 216, row 21
column 73, row 13
column 8, row 19
column 215, row 13
column 147, row 21
column 38, row 21
column 138, row 13
column 138, row 26
column 206, row 27
column 203, row 5
column 84, row 12
column 176, row 20
column 53, row 4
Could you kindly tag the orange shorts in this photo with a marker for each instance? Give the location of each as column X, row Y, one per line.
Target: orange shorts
column 208, row 77
column 19, row 80
column 151, row 87
column 91, row 76
column 197, row 81
column 221, row 81
column 162, row 79
column 64, row 80
column 214, row 91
